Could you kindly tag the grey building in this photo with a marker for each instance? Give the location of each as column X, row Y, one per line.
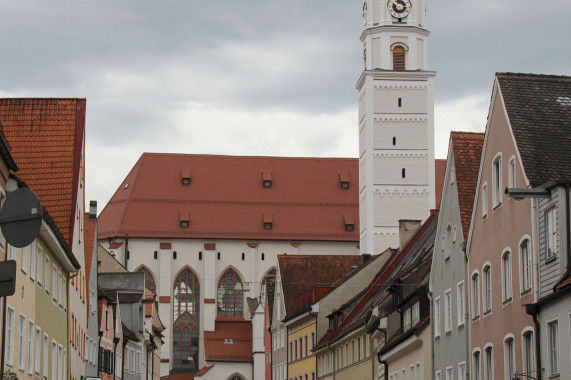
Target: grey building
column 448, row 284
column 92, row 338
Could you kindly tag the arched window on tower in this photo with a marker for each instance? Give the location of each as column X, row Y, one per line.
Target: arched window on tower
column 399, row 58
column 230, row 294
column 149, row 279
column 186, row 309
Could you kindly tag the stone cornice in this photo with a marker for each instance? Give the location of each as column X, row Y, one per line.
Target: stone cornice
column 401, row 119
column 393, row 29
column 421, row 154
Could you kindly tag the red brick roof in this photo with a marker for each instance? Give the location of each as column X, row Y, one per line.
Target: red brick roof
column 299, row 273
column 89, row 244
column 226, row 198
column 231, row 341
column 46, row 136
column 439, row 172
column 467, row 147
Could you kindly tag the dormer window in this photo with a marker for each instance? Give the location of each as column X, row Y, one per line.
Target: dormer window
column 344, row 181
column 184, row 219
column 267, row 179
column 185, row 177
column 349, row 223
column 268, row 221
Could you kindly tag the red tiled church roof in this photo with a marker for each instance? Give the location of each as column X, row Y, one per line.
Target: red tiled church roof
column 299, row 273
column 231, row 341
column 224, row 197
column 467, row 148
column 46, row 136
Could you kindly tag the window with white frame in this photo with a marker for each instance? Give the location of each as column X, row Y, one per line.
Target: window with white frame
column 528, row 352
column 12, row 253
column 47, row 274
column 24, row 259
column 509, row 358
column 283, row 338
column 553, row 331
column 38, row 357
column 507, row 276
column 415, row 313
column 488, row 363
column 54, row 283
column 448, row 242
column 447, row 311
column 484, row 200
column 497, row 181
column 22, row 343
column 54, row 360
column 406, row 319
column 460, row 303
column 32, row 249
column 438, row 375
column 30, row 347
column 60, row 362
column 551, row 233
column 39, row 265
column 437, row 317
column 46, row 348
column 487, row 288
column 462, row 371
column 511, row 172
column 449, row 373
column 475, row 295
column 525, row 259
column 476, row 366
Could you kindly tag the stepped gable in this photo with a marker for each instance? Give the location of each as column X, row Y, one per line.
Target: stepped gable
column 467, row 148
column 224, row 197
column 46, row 137
column 539, row 111
column 299, row 273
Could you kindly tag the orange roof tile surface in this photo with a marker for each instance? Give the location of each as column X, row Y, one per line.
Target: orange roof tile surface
column 467, row 153
column 231, row 341
column 439, row 173
column 89, row 244
column 46, row 136
column 206, row 196
column 299, row 273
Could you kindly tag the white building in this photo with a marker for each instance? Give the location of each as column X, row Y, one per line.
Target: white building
column 208, row 230
column 396, row 122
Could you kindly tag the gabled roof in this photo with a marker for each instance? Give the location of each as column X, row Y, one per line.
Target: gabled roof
column 539, row 111
column 467, row 150
column 46, row 136
column 401, row 262
column 224, row 197
column 299, row 273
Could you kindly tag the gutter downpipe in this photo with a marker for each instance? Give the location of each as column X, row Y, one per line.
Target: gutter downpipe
column 383, row 362
column 533, row 310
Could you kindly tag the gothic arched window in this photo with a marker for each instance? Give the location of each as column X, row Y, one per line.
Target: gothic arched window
column 186, row 308
column 399, row 58
column 267, row 287
column 230, row 294
column 149, row 279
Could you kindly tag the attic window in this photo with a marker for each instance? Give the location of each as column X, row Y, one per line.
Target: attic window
column 349, row 223
column 268, row 221
column 344, row 181
column 267, row 179
column 185, row 177
column 184, row 219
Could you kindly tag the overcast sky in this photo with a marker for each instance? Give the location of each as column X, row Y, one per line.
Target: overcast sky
column 252, row 77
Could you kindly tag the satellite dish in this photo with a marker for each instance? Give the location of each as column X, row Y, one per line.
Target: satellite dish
column 21, row 217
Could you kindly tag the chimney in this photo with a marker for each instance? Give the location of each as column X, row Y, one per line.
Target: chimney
column 92, row 211
column 407, row 229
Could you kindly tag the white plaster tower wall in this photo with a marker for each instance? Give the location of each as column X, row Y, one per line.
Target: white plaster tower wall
column 396, row 122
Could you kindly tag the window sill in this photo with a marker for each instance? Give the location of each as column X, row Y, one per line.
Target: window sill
column 460, row 325
column 497, row 206
column 487, row 312
column 550, row 260
column 507, row 301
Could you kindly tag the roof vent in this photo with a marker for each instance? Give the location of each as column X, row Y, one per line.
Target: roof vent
column 184, row 219
column 267, row 179
column 268, row 221
column 185, row 177
column 349, row 223
column 344, row 181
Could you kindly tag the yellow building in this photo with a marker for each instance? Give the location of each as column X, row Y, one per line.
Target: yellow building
column 301, row 333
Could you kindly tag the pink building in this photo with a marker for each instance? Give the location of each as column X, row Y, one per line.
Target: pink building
column 499, row 248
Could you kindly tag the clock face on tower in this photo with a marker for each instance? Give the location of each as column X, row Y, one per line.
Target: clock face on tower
column 399, row 8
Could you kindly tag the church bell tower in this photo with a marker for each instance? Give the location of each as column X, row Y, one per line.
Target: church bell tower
column 396, row 122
